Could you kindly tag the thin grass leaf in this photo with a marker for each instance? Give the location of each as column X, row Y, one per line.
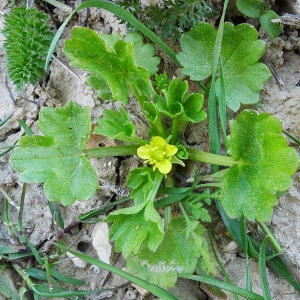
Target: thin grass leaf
column 291, row 137
column 243, row 226
column 26, row 128
column 212, row 114
column 280, row 264
column 263, row 271
column 9, row 199
column 22, row 202
column 221, row 266
column 36, row 254
column 102, row 209
column 122, row 14
column 64, row 278
column 222, row 104
column 56, row 214
column 154, row 289
column 223, row 285
column 44, row 291
column 5, row 120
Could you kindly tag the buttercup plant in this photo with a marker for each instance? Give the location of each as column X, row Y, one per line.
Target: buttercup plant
column 160, row 246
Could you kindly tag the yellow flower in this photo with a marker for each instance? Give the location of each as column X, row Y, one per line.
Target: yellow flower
column 158, row 153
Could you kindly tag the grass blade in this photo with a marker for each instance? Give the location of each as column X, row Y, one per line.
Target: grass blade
column 2, row 122
column 225, row 286
column 154, row 289
column 228, row 280
column 243, row 226
column 263, row 271
column 280, row 265
column 27, row 129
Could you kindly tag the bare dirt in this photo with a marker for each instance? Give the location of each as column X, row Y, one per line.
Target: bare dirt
column 65, row 83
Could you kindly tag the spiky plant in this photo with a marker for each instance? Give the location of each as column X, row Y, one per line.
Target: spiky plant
column 27, row 41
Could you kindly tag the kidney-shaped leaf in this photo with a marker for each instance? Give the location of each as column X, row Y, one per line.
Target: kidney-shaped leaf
column 241, row 51
column 57, row 158
column 112, row 64
column 264, row 166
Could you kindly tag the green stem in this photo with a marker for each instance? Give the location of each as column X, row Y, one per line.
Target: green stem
column 175, row 125
column 168, row 208
column 272, row 239
column 111, row 151
column 210, row 158
column 158, row 177
column 23, row 274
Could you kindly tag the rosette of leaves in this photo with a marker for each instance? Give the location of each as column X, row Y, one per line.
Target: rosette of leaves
column 27, row 41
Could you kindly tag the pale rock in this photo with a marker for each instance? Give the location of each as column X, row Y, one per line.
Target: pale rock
column 100, row 236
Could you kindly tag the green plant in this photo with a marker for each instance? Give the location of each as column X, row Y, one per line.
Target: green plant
column 139, row 231
column 258, row 9
column 28, row 39
column 173, row 18
column 145, row 238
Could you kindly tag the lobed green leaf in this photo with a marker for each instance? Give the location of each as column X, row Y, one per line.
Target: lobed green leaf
column 241, row 51
column 264, row 166
column 178, row 103
column 116, row 125
column 175, row 255
column 252, row 8
column 113, row 63
column 134, row 225
column 57, row 158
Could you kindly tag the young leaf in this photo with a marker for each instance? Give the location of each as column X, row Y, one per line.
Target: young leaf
column 264, row 165
column 193, row 204
column 241, row 51
column 134, row 225
column 143, row 54
column 116, row 125
column 141, row 182
column 252, row 8
column 273, row 29
column 178, row 103
column 116, row 69
column 175, row 255
column 57, row 158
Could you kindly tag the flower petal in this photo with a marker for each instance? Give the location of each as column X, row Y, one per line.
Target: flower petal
column 144, row 152
column 159, row 142
column 170, row 150
column 164, row 166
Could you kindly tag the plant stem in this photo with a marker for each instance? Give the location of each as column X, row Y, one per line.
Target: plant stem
column 111, row 151
column 158, row 177
column 273, row 240
column 168, row 208
column 175, row 124
column 210, row 158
